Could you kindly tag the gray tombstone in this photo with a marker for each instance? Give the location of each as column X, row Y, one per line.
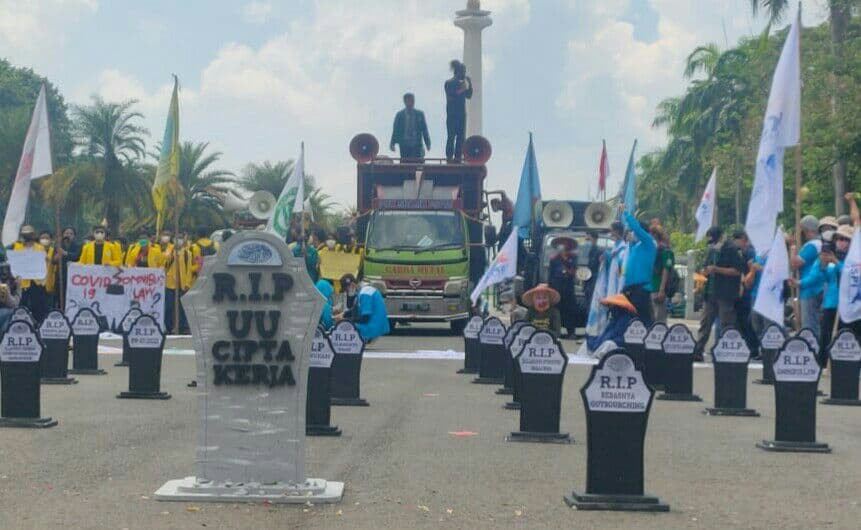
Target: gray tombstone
column 252, row 313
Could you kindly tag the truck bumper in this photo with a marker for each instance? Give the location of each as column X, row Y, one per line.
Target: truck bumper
column 426, row 309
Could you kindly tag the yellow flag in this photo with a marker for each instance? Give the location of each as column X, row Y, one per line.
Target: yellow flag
column 168, row 160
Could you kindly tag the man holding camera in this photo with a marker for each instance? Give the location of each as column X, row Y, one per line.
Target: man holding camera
column 457, row 90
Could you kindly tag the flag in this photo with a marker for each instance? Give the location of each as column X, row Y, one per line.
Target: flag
column 528, row 194
column 849, row 304
column 168, row 160
column 769, row 297
column 35, row 163
column 781, row 128
column 503, row 267
column 603, row 169
column 629, row 186
column 290, row 200
column 706, row 209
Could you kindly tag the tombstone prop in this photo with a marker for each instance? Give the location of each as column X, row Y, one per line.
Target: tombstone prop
column 20, row 400
column 617, row 402
column 769, row 344
column 808, row 335
column 634, row 337
column 85, row 343
column 125, row 324
column 845, row 353
column 796, row 374
column 252, row 314
column 655, row 362
column 542, row 363
column 508, row 377
column 731, row 355
column 146, row 345
column 347, row 365
column 471, row 350
column 318, row 412
column 23, row 314
column 514, row 350
column 678, row 346
column 491, row 366
column 55, row 332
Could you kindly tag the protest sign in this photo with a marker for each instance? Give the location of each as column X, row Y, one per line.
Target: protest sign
column 112, row 291
column 28, row 264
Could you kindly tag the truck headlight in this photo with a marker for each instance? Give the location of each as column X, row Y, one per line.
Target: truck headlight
column 454, row 287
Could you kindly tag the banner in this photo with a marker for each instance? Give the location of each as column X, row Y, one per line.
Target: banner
column 290, row 197
column 769, row 297
column 849, row 304
column 334, row 264
column 503, row 267
column 112, row 291
column 28, row 264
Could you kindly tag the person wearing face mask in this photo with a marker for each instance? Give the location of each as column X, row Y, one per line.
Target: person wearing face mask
column 68, row 251
column 34, row 295
column 201, row 248
column 346, row 299
column 183, row 252
column 542, row 311
column 142, row 253
column 47, row 241
column 639, row 262
column 561, row 275
column 810, row 297
column 10, row 296
column 302, row 248
column 99, row 251
column 337, row 259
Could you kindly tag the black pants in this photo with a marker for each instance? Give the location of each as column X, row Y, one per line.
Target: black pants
column 745, row 324
column 411, row 152
column 714, row 308
column 825, row 333
column 456, row 129
column 37, row 300
column 642, row 302
column 169, row 297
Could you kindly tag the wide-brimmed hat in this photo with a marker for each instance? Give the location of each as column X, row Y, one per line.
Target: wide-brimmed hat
column 621, row 301
column 27, row 229
column 541, row 287
column 567, row 241
column 846, row 231
column 828, row 221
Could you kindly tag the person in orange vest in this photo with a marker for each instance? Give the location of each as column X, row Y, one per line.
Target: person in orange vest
column 99, row 251
column 182, row 251
column 34, row 295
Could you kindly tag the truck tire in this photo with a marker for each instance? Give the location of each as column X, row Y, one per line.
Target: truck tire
column 457, row 326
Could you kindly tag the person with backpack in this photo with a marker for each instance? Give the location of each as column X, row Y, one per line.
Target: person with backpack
column 662, row 272
column 202, row 247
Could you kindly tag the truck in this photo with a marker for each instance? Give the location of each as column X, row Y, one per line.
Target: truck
column 421, row 222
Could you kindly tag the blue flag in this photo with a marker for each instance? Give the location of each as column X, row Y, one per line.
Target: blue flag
column 528, row 194
column 629, row 188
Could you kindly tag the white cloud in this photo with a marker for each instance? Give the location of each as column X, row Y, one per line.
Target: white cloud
column 257, row 12
column 36, row 25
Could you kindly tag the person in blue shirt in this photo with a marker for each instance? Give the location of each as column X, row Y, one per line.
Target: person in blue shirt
column 370, row 314
column 642, row 249
column 810, row 296
column 744, row 305
column 325, row 288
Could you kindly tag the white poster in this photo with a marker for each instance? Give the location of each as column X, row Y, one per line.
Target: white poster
column 28, row 264
column 112, row 291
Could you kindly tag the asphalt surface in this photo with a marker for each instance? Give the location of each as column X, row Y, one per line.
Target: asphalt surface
column 403, row 468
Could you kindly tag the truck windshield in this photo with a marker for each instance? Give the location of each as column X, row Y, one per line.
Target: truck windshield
column 415, row 230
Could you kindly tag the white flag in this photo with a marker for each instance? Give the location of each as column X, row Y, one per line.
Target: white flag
column 706, row 210
column 849, row 305
column 279, row 222
column 769, row 302
column 35, row 163
column 299, row 169
column 503, row 267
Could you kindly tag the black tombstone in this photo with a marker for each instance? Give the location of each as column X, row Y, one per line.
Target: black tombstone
column 318, row 406
column 349, row 348
column 20, row 374
column 542, row 363
column 845, row 354
column 634, row 337
column 808, row 335
column 146, row 346
column 655, row 361
column 514, row 350
column 125, row 324
column 85, row 343
column 491, row 366
column 679, row 347
column 769, row 344
column 471, row 351
column 796, row 374
column 731, row 355
column 508, row 377
column 23, row 314
column 617, row 402
column 55, row 332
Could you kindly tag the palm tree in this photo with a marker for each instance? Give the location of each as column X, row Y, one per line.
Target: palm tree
column 114, row 141
column 202, row 189
column 267, row 176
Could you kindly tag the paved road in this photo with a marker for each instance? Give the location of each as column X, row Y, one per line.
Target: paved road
column 402, row 468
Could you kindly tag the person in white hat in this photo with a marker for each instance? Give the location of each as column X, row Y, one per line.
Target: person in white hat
column 810, row 295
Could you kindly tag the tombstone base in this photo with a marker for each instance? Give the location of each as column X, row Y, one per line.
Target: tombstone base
column 679, row 397
column 87, row 371
column 616, row 503
column 28, row 423
column 322, row 430
column 505, row 391
column 730, row 412
column 793, row 447
column 122, row 363
column 764, row 381
column 488, row 381
column 512, row 405
column 59, row 381
column 540, row 437
column 315, row 491
column 143, row 395
column 467, row 371
column 349, row 402
column 844, row 402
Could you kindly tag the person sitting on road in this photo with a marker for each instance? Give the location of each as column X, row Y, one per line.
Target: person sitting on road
column 543, row 313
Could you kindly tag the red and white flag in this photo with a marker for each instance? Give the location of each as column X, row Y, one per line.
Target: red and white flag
column 603, row 169
column 35, row 163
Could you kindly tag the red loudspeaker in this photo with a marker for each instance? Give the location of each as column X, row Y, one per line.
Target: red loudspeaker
column 476, row 150
column 364, row 147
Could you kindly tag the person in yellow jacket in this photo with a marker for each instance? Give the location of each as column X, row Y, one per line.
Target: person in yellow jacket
column 46, row 239
column 99, row 251
column 34, row 296
column 185, row 268
column 202, row 248
column 143, row 253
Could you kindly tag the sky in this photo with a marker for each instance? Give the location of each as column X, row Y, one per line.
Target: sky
column 258, row 77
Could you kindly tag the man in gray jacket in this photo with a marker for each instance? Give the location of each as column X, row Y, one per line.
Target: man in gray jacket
column 410, row 131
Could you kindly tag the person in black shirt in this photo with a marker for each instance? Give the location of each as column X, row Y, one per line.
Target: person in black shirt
column 457, row 90
column 410, row 131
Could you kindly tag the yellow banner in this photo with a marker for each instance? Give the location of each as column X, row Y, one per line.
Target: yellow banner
column 334, row 264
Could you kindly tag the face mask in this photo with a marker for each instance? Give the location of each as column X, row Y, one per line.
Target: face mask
column 180, row 241
column 143, row 242
column 165, row 239
column 330, row 244
column 828, row 235
column 44, row 242
column 99, row 236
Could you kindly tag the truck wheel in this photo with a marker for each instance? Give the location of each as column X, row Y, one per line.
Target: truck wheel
column 457, row 326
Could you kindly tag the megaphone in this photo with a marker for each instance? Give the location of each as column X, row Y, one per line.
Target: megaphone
column 598, row 215
column 557, row 214
column 364, row 147
column 262, row 204
column 476, row 150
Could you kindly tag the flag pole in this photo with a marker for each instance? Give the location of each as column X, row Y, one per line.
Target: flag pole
column 798, row 174
column 178, row 280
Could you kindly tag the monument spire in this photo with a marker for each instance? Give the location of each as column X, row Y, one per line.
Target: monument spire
column 472, row 21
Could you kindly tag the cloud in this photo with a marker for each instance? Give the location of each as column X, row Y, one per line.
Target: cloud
column 257, row 12
column 35, row 25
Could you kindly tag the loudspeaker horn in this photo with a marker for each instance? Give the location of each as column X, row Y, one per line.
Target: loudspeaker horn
column 557, row 214
column 598, row 215
column 364, row 147
column 262, row 204
column 476, row 150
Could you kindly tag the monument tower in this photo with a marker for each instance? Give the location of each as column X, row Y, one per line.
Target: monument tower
column 472, row 20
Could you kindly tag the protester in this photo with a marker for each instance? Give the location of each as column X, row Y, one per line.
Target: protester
column 542, row 312
column 563, row 267
column 593, row 252
column 34, row 295
column 638, row 267
column 662, row 270
column 457, row 90
column 69, row 251
column 10, row 295
column 744, row 304
column 143, row 253
column 325, row 289
column 410, row 131
column 622, row 312
column 200, row 249
column 503, row 205
column 46, row 239
column 810, row 296
column 827, row 269
column 99, row 251
column 337, row 259
column 370, row 314
column 185, row 265
column 302, row 249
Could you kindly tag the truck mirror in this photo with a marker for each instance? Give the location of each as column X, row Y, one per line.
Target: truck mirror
column 489, row 235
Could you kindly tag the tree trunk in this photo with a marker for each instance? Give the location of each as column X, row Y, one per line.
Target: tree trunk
column 840, row 14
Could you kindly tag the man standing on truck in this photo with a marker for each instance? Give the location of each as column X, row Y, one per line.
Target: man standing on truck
column 410, row 131
column 457, row 90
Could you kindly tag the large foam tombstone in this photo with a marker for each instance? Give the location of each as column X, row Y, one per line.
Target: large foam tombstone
column 770, row 343
column 347, row 365
column 634, row 339
column 655, row 361
column 508, row 377
column 514, row 350
column 20, row 374
column 126, row 324
column 617, row 402
column 491, row 367
column 55, row 332
column 318, row 411
column 471, row 350
column 731, row 356
column 146, row 346
column 845, row 354
column 252, row 313
column 85, row 343
column 796, row 374
column 678, row 346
